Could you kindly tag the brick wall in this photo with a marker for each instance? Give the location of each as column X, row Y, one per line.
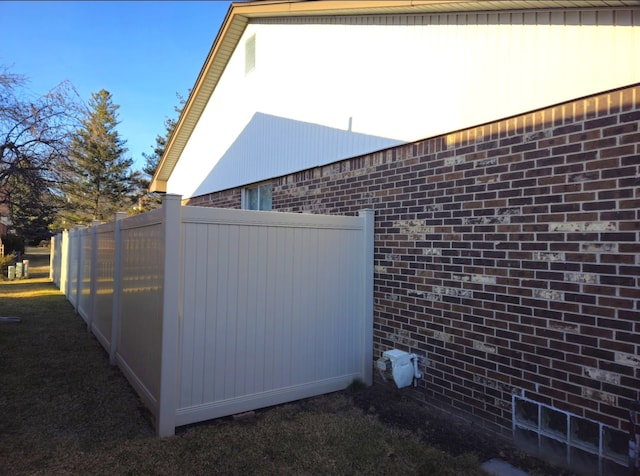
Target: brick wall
column 507, row 253
column 226, row 199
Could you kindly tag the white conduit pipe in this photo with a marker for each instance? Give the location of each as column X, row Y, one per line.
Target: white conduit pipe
column 416, row 372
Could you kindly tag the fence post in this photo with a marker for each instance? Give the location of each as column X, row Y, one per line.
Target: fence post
column 117, row 286
column 67, row 285
column 78, row 245
column 69, row 280
column 52, row 254
column 368, row 245
column 167, row 401
column 64, row 262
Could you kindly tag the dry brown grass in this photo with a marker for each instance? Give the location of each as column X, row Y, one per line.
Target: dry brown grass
column 65, row 410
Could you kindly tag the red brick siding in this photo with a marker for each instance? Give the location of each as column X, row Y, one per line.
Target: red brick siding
column 507, row 253
column 226, row 199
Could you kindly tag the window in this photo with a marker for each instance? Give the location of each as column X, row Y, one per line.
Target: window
column 250, row 54
column 257, row 198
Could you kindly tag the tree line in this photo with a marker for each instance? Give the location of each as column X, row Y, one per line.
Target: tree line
column 63, row 162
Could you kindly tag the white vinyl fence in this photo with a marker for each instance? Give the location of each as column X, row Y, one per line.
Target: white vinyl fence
column 210, row 312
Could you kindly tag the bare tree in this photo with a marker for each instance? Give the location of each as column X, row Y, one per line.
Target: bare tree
column 34, row 137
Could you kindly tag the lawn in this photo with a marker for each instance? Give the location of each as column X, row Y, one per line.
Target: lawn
column 65, row 410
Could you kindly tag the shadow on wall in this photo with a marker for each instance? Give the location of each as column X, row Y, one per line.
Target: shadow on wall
column 270, row 146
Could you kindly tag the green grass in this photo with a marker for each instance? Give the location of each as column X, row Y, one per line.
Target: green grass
column 65, row 410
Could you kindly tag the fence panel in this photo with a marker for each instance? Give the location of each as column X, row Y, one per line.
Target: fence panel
column 64, row 261
column 73, row 266
column 273, row 309
column 101, row 322
column 141, row 291
column 84, row 298
column 209, row 312
column 55, row 260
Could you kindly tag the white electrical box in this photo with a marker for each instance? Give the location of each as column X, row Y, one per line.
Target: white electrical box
column 401, row 365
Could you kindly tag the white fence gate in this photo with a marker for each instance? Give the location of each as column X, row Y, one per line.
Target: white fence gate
column 211, row 312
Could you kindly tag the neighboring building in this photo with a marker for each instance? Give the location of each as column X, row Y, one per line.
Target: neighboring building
column 500, row 150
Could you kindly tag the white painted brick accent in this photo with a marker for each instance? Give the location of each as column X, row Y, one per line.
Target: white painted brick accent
column 540, row 256
column 483, row 279
column 549, row 295
column 583, row 227
column 413, row 228
column 486, row 162
column 403, row 337
column 600, row 247
column 627, row 359
column 454, row 160
column 445, row 291
column 600, row 396
column 602, row 375
column 569, row 227
column 601, row 226
column 588, row 278
column 482, row 347
column 564, row 326
column 443, row 336
column 487, row 179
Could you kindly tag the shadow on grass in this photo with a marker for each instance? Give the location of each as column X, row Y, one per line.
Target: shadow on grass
column 65, row 410
column 58, row 391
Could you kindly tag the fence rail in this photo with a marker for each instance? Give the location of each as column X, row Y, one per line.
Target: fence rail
column 210, row 312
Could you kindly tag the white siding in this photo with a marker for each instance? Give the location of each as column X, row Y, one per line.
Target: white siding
column 324, row 89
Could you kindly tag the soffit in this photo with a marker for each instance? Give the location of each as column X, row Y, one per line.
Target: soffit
column 239, row 15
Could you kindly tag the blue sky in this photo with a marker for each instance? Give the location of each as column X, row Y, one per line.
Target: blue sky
column 143, row 53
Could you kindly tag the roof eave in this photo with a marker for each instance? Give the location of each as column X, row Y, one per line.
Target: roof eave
column 240, row 13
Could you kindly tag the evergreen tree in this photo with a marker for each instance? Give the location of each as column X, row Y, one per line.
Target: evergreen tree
column 98, row 177
column 150, row 200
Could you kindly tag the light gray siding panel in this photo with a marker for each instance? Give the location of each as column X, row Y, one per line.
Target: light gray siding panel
column 270, row 146
column 432, row 74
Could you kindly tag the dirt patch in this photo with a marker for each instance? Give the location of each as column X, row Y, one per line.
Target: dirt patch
column 454, row 436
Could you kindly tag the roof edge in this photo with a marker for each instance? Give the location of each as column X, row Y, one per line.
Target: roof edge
column 239, row 14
